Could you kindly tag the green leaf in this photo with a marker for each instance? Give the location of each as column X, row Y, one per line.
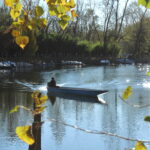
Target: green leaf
column 71, row 4
column 61, row 9
column 148, row 73
column 63, row 24
column 15, row 109
column 42, row 22
column 147, row 118
column 65, row 18
column 145, row 3
column 39, row 11
column 127, row 92
column 140, row 146
column 18, row 6
column 14, row 13
column 53, row 11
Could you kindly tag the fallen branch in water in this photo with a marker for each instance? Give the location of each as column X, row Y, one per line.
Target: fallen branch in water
column 96, row 132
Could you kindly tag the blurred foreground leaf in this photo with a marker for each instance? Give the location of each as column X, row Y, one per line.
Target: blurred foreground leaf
column 127, row 92
column 145, row 3
column 25, row 134
column 38, row 110
column 15, row 109
column 140, row 146
column 40, row 101
column 22, row 41
column 148, row 73
column 147, row 118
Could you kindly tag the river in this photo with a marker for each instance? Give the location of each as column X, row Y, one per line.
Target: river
column 117, row 117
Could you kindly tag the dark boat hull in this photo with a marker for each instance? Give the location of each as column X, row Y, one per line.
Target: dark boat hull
column 76, row 91
column 81, row 98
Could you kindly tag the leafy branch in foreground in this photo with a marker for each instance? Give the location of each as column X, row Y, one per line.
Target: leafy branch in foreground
column 25, row 133
column 27, row 23
column 127, row 92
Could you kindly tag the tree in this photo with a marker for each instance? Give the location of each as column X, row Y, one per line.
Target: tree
column 28, row 19
column 113, row 22
column 136, row 35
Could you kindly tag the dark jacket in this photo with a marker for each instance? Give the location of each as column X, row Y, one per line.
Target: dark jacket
column 52, row 83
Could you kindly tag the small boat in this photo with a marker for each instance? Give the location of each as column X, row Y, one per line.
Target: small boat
column 81, row 98
column 76, row 91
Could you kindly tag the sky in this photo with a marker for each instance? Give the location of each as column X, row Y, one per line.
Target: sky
column 96, row 6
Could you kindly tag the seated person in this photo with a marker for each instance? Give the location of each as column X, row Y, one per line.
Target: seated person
column 52, row 83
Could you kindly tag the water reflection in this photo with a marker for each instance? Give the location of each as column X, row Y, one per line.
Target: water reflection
column 81, row 98
column 52, row 99
column 115, row 117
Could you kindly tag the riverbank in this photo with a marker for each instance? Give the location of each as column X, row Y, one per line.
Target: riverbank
column 49, row 61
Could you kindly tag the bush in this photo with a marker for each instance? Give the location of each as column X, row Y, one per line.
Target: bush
column 113, row 49
column 97, row 49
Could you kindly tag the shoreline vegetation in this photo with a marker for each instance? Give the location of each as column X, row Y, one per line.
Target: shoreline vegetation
column 50, row 61
column 55, row 48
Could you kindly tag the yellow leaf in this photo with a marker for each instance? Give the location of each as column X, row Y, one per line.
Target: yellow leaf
column 127, row 92
column 51, row 2
column 36, row 94
column 147, row 118
column 66, row 8
column 15, row 24
column 61, row 9
column 43, row 98
column 40, row 101
column 140, row 146
column 15, row 33
column 63, row 24
column 14, row 13
column 38, row 110
column 21, row 20
column 145, row 3
column 71, row 4
column 52, row 12
column 148, row 73
column 65, row 17
column 39, row 11
column 42, row 22
column 73, row 13
column 25, row 134
column 30, row 26
column 18, row 6
column 15, row 109
column 15, row 1
column 61, row 2
column 9, row 3
column 22, row 41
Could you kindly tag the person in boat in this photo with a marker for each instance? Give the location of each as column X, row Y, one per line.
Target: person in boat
column 52, row 83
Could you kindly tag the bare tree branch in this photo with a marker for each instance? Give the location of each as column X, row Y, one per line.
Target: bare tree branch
column 96, row 132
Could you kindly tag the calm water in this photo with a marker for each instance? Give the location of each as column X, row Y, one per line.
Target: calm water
column 115, row 117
